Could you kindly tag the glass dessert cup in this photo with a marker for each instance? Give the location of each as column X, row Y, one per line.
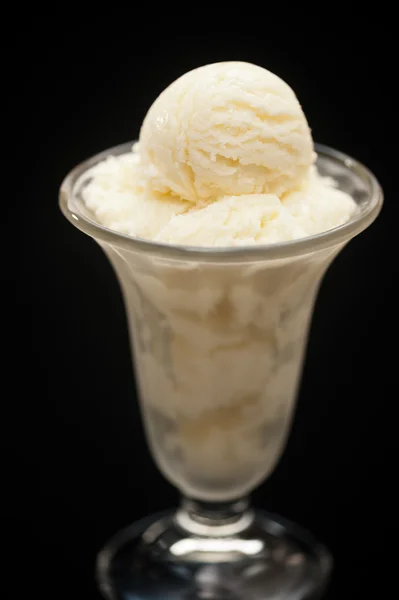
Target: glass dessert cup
column 218, row 339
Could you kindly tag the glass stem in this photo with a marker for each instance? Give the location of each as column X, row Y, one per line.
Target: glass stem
column 214, row 519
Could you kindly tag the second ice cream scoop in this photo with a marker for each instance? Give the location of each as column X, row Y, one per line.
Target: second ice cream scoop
column 229, row 128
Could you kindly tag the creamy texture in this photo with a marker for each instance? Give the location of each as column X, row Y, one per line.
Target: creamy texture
column 229, row 128
column 218, row 350
column 122, row 199
column 225, row 158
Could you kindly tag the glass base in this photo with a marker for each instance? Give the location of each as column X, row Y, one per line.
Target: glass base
column 157, row 558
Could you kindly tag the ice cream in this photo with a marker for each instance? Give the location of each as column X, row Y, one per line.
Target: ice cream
column 225, row 158
column 226, row 129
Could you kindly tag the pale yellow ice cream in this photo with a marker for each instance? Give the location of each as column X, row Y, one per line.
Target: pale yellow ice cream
column 229, row 128
column 122, row 199
column 225, row 158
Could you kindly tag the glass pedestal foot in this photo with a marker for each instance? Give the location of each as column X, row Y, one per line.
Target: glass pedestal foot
column 266, row 558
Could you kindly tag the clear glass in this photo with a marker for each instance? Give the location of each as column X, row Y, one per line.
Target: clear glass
column 218, row 339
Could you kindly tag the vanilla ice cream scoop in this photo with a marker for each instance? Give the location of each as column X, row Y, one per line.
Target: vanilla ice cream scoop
column 226, row 129
column 233, row 221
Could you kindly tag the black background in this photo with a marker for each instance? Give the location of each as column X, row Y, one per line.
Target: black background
column 78, row 463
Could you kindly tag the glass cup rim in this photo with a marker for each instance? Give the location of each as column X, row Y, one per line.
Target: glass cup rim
column 69, row 205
